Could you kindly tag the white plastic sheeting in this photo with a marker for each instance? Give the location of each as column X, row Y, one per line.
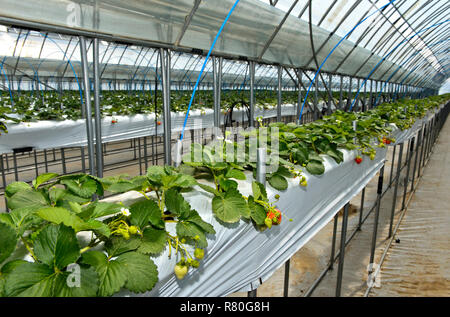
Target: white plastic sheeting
column 69, row 133
column 239, row 257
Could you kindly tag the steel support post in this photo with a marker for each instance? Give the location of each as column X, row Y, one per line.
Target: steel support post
column 408, row 165
column 330, row 95
column 261, row 158
column 87, row 105
column 392, row 165
column 397, row 180
column 341, row 83
column 333, row 241
column 287, row 267
column 251, row 122
column 165, row 71
column 299, row 100
column 419, row 141
column 3, row 180
column 377, row 214
column 316, row 99
column 98, row 115
column 361, row 209
column 279, row 97
column 217, row 79
column 342, row 250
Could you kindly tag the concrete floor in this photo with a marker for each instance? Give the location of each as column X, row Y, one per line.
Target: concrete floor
column 420, row 264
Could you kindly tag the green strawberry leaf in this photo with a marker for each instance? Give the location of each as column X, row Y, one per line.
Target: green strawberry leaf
column 228, row 208
column 144, row 211
column 8, row 241
column 43, row 178
column 153, row 241
column 315, row 167
column 142, row 273
column 57, row 246
column 15, row 187
column 112, row 275
column 278, row 182
column 27, row 198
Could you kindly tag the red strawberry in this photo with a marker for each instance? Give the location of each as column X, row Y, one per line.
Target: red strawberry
column 358, row 159
column 158, row 122
column 113, row 121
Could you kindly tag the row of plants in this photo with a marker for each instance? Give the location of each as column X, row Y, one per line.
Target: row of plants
column 58, row 228
column 50, row 105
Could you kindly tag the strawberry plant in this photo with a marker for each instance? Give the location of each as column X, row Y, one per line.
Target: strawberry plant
column 52, row 218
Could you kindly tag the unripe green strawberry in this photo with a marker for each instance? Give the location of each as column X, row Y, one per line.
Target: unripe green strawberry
column 268, row 222
column 199, row 253
column 126, row 235
column 133, row 229
column 304, row 183
column 180, row 271
column 195, row 264
column 372, row 156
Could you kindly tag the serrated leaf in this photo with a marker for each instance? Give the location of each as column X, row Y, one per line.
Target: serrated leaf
column 259, row 191
column 144, row 211
column 84, row 189
column 57, row 246
column 153, row 241
column 13, row 188
column 315, row 167
column 227, row 208
column 278, row 182
column 88, row 283
column 188, row 230
column 43, row 178
column 8, row 241
column 27, row 198
column 142, row 273
column 236, row 174
column 257, row 212
column 122, row 186
column 176, row 204
column 30, row 280
column 112, row 275
column 208, row 189
column 119, row 245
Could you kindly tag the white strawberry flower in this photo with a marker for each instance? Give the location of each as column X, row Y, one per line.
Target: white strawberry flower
column 125, row 211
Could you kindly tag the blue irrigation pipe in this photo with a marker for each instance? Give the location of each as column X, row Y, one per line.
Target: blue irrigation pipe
column 204, row 65
column 9, row 85
column 389, row 53
column 334, row 48
column 400, row 66
column 71, row 66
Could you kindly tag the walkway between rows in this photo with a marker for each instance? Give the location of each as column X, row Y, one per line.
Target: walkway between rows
column 418, row 264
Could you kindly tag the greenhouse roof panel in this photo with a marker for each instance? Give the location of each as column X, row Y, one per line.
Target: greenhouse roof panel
column 276, row 34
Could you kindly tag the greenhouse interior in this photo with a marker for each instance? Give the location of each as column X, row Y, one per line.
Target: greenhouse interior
column 232, row 148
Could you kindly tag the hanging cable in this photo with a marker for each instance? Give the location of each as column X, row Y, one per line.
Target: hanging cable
column 204, row 65
column 334, row 48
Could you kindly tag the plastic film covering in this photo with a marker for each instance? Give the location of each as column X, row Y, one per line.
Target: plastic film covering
column 69, row 133
column 164, row 23
column 238, row 257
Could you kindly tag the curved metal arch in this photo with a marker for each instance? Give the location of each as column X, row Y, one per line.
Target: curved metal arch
column 376, row 49
column 384, row 58
column 442, row 12
column 380, row 20
column 405, row 56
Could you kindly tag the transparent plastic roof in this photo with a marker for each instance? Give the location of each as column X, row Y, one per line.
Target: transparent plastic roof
column 398, row 40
